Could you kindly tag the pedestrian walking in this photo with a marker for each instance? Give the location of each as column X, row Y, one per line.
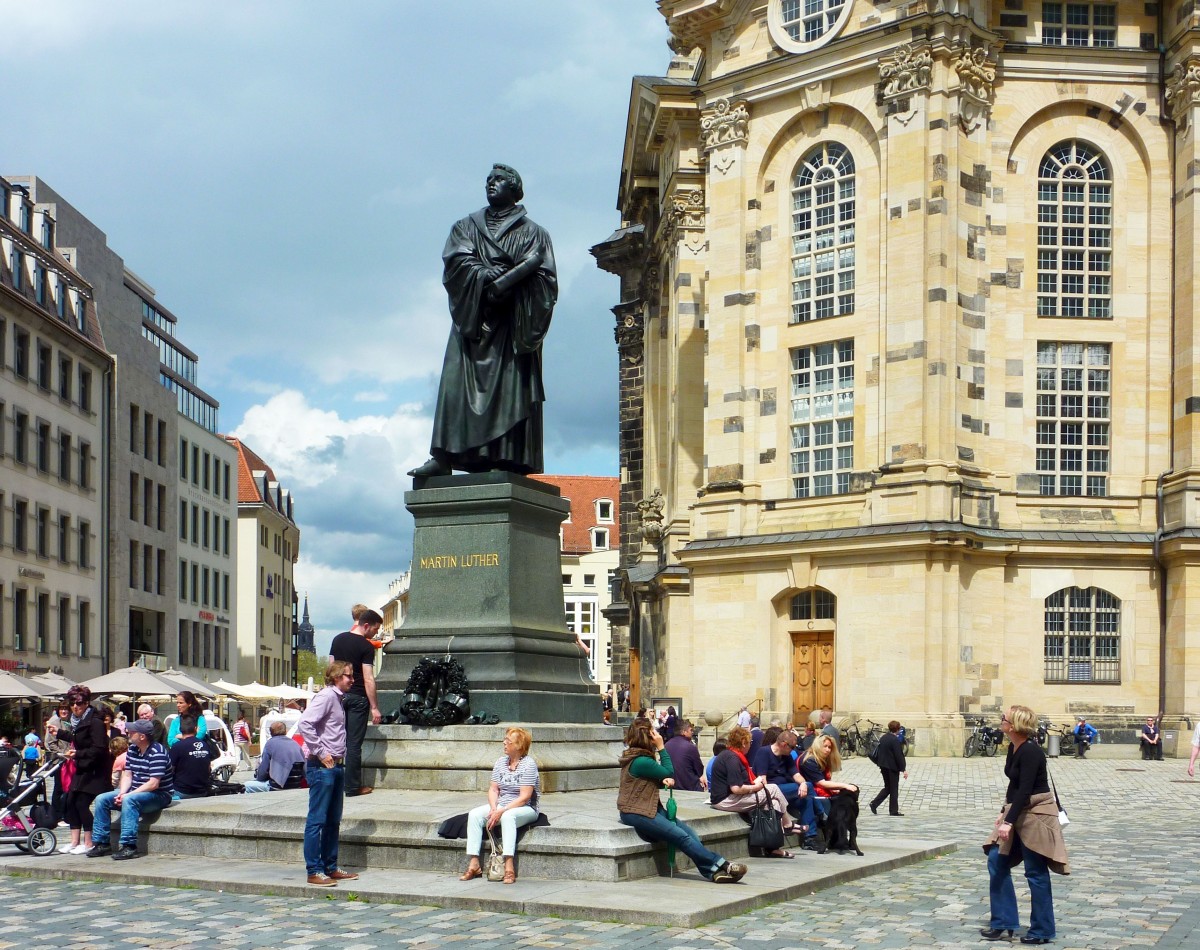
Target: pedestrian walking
column 1027, row 829
column 889, row 756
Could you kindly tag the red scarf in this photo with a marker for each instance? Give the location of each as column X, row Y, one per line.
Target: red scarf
column 742, row 756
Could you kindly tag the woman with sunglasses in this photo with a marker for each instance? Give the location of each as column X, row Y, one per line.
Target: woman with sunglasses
column 93, row 767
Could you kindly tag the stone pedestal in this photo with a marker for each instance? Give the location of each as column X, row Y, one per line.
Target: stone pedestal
column 486, row 586
column 570, row 758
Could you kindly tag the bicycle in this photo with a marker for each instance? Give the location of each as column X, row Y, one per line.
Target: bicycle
column 870, row 741
column 852, row 741
column 984, row 740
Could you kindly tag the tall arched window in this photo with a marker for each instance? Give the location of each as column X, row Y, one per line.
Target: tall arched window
column 1074, row 274
column 823, row 216
column 1083, row 636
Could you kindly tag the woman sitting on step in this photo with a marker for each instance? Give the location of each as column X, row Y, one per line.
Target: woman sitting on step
column 512, row 803
column 645, row 766
column 735, row 787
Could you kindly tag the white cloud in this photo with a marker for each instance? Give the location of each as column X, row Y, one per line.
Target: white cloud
column 309, row 447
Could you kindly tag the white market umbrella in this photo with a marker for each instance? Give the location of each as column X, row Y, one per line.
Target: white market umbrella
column 221, row 688
column 284, row 691
column 133, row 680
column 190, row 683
column 18, row 687
column 60, row 684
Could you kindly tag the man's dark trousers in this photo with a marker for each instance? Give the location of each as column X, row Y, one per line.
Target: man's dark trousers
column 358, row 714
column 891, row 790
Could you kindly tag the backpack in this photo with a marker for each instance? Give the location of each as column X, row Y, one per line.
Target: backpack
column 873, row 755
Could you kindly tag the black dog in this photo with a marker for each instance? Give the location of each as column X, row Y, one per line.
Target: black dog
column 839, row 830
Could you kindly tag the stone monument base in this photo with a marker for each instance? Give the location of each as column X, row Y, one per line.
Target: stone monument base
column 486, row 587
column 570, row 758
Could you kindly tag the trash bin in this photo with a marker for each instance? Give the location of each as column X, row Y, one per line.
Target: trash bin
column 1054, row 745
column 1170, row 742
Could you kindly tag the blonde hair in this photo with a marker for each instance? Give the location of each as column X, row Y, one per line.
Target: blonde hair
column 830, row 761
column 1023, row 720
column 334, row 669
column 522, row 741
column 357, row 611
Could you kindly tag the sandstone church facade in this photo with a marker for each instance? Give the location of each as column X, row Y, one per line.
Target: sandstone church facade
column 906, row 340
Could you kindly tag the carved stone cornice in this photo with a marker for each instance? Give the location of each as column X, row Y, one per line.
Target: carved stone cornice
column 976, row 85
column 725, row 123
column 907, row 71
column 1183, row 91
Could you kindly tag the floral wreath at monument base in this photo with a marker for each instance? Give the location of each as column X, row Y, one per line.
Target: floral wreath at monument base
column 436, row 693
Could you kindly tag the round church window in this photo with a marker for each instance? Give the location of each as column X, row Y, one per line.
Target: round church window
column 800, row 26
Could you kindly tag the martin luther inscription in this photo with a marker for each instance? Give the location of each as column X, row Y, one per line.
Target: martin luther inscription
column 445, row 561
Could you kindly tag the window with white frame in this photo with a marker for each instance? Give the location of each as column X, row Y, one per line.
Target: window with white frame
column 1073, row 418
column 1083, row 636
column 1079, row 24
column 822, row 430
column 823, row 233
column 604, row 510
column 1074, row 272
column 599, row 539
column 800, row 26
column 581, row 621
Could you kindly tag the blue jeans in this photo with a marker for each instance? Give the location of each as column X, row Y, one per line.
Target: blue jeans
column 1004, row 898
column 133, row 806
column 326, row 788
column 802, row 807
column 661, row 828
column 815, row 804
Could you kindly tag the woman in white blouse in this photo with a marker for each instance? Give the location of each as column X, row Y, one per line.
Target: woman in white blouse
column 512, row 802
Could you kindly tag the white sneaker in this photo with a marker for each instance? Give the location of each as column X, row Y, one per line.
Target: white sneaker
column 78, row 849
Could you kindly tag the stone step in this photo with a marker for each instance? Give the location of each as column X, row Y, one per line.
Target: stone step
column 398, row 830
column 686, row 900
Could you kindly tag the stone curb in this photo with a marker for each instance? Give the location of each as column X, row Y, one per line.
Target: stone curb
column 686, row 901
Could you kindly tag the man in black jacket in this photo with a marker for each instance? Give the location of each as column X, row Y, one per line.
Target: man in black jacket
column 890, row 759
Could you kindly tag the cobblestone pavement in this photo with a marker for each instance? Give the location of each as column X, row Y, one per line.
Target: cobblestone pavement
column 1134, row 840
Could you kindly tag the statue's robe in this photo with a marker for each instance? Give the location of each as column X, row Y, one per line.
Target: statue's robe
column 489, row 405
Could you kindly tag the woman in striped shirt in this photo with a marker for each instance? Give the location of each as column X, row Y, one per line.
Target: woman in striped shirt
column 512, row 803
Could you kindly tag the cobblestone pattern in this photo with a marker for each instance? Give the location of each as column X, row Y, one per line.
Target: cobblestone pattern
column 1134, row 840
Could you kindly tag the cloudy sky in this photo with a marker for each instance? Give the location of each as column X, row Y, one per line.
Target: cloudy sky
column 284, row 173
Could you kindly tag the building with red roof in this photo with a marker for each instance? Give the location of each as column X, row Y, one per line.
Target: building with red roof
column 590, row 555
column 268, row 545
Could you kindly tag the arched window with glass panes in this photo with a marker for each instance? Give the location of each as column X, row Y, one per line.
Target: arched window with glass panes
column 823, row 233
column 1083, row 636
column 1074, row 210
column 814, row 604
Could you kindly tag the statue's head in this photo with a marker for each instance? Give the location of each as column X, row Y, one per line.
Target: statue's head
column 504, row 185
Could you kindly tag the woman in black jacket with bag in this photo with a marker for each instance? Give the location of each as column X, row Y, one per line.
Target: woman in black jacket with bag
column 93, row 767
column 889, row 756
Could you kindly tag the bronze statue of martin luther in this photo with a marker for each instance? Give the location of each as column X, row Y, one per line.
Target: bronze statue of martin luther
column 498, row 270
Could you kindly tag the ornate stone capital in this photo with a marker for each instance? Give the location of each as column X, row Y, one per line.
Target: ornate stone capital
column 976, row 85
column 725, row 123
column 683, row 215
column 909, row 70
column 1183, row 91
column 629, row 333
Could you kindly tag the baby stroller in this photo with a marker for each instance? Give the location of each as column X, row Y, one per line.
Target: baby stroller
column 24, row 810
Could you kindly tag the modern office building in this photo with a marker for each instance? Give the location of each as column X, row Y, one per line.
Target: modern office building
column 906, row 333
column 268, row 545
column 54, row 427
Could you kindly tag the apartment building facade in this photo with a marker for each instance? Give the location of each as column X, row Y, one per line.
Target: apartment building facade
column 54, row 395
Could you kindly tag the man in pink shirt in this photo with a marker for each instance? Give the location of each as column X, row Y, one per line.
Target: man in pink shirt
column 323, row 727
